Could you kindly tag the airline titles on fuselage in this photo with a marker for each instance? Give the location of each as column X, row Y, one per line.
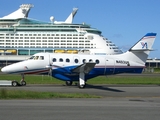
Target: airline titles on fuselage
column 122, row 62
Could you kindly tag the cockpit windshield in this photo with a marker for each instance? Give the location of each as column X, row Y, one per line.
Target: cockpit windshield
column 31, row 58
column 36, row 58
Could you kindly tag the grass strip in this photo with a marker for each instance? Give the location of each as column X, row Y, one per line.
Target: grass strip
column 131, row 79
column 113, row 79
column 23, row 94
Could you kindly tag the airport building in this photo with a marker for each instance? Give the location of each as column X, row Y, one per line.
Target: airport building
column 153, row 63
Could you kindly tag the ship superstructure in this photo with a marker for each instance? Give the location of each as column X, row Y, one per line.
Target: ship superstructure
column 20, row 35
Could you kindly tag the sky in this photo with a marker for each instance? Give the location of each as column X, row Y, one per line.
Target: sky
column 123, row 22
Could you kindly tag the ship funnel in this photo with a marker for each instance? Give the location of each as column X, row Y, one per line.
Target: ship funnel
column 22, row 12
column 71, row 16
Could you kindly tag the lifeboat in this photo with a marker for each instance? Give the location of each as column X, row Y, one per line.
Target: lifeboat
column 11, row 51
column 14, row 52
column 72, row 51
column 59, row 51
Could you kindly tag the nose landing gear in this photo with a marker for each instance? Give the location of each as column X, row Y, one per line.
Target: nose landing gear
column 22, row 82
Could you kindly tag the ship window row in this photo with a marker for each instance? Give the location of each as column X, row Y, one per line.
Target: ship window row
column 33, row 43
column 21, row 43
column 44, row 45
column 45, row 41
column 40, row 30
column 42, row 38
column 75, row 60
column 25, row 41
column 41, row 34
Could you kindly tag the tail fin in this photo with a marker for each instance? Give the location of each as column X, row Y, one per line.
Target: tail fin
column 22, row 12
column 145, row 43
column 71, row 16
column 140, row 51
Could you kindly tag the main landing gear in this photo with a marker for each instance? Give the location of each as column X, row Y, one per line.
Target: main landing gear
column 69, row 83
column 81, row 84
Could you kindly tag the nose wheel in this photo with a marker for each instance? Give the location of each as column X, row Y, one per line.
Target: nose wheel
column 14, row 83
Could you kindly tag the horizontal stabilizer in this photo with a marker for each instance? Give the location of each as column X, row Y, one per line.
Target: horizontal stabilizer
column 142, row 50
column 84, row 68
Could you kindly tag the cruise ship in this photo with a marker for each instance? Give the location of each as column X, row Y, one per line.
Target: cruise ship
column 21, row 36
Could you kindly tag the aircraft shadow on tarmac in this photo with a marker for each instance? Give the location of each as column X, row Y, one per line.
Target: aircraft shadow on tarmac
column 102, row 88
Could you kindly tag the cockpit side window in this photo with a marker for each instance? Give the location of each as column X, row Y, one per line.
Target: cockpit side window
column 36, row 57
column 41, row 57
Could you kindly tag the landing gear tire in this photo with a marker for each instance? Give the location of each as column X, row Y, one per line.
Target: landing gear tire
column 23, row 83
column 69, row 83
column 14, row 83
column 82, row 86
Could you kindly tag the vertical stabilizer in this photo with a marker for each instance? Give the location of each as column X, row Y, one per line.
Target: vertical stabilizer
column 71, row 16
column 22, row 12
column 140, row 51
column 145, row 43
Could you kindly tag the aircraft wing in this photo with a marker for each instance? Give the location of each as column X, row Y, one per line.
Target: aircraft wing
column 85, row 68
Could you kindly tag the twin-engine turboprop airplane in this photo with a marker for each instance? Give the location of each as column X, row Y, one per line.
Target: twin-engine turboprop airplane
column 81, row 67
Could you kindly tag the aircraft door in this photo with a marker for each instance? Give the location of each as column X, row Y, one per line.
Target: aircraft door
column 50, row 61
column 109, row 66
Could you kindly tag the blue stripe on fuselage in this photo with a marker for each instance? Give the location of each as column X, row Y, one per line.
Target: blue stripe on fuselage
column 70, row 76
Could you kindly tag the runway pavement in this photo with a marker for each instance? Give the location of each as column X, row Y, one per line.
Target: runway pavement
column 119, row 102
column 81, row 109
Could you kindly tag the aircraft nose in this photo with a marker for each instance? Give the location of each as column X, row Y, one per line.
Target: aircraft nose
column 4, row 69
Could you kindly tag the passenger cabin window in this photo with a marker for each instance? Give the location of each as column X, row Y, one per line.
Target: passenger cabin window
column 54, row 60
column 97, row 61
column 67, row 60
column 90, row 60
column 76, row 60
column 84, row 60
column 60, row 60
